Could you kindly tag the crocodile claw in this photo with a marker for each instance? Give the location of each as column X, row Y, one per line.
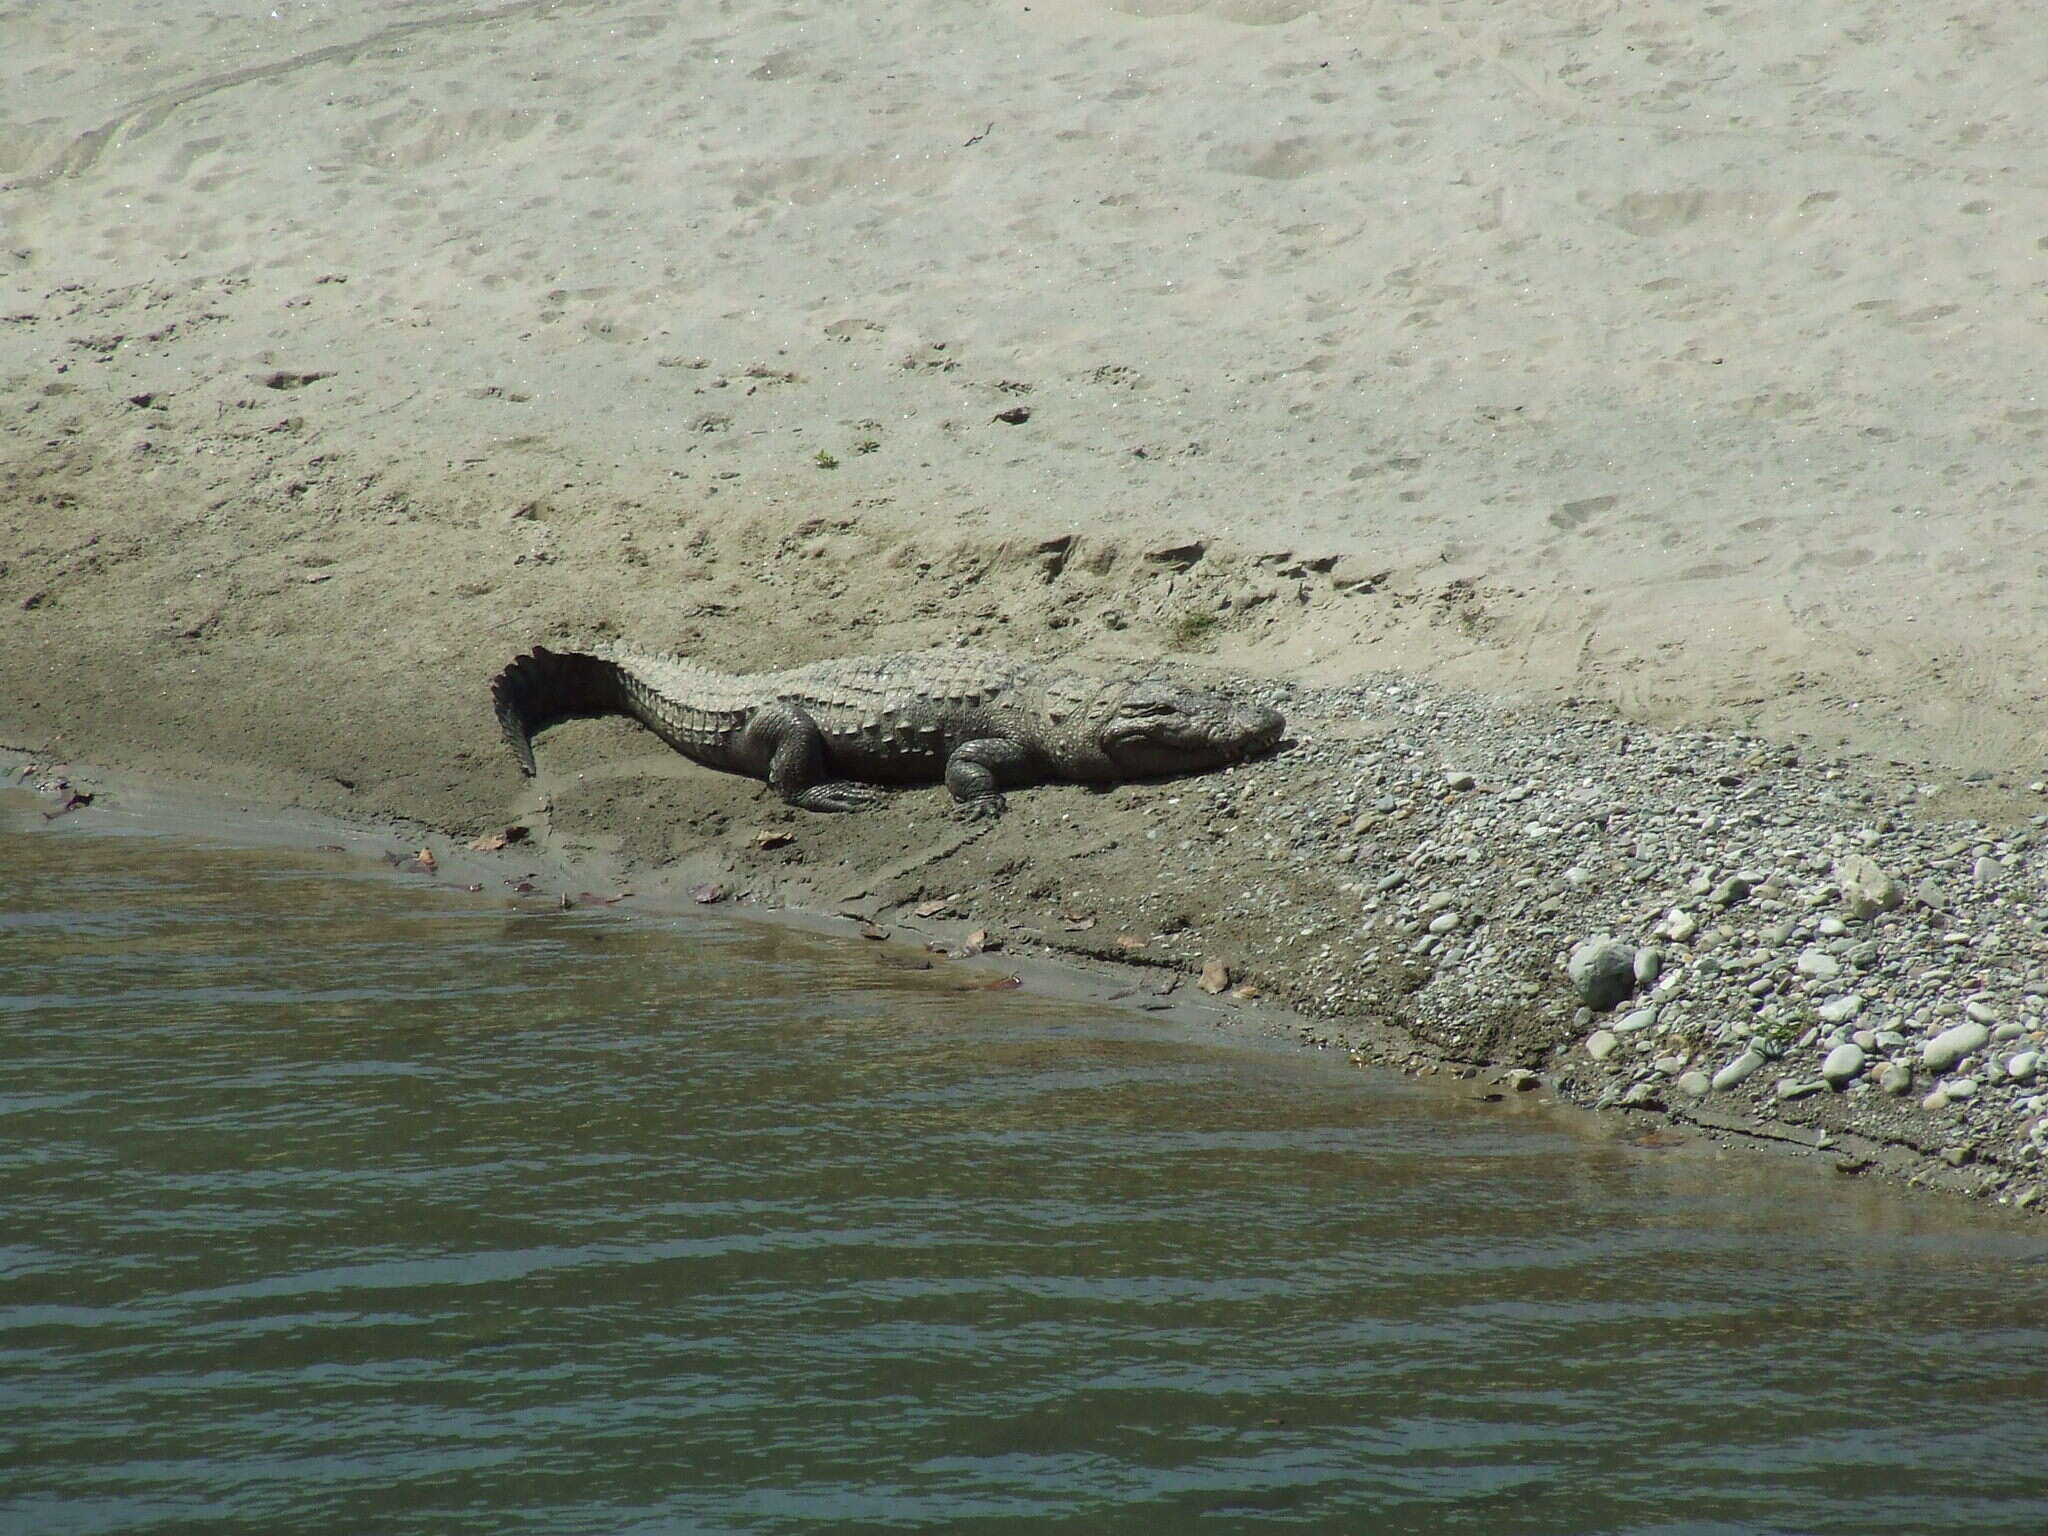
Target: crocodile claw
column 838, row 795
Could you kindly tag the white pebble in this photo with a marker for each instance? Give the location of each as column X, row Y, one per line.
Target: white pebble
column 1819, row 963
column 1844, row 1064
column 1738, row 1069
column 1952, row 1045
column 1840, row 1010
column 2022, row 1067
column 1639, row 1018
column 1601, row 1043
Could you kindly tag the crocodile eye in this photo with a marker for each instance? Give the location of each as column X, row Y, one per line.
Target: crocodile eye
column 1148, row 702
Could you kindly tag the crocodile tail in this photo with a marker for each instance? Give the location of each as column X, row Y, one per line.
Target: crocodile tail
column 539, row 689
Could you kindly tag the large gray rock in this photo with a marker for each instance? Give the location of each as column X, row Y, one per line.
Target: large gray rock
column 1602, row 971
column 1866, row 888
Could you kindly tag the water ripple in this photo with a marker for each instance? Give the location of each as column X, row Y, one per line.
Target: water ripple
column 338, row 1204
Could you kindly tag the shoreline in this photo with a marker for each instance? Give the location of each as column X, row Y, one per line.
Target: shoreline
column 1484, row 1000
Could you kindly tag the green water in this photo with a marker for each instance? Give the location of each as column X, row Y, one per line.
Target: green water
column 339, row 1203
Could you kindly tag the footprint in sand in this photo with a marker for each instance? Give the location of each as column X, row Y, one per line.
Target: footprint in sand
column 1576, row 515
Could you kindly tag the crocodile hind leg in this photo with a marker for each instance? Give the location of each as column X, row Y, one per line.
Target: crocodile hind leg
column 790, row 749
column 978, row 770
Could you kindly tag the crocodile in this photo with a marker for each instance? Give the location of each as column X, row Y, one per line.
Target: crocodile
column 826, row 734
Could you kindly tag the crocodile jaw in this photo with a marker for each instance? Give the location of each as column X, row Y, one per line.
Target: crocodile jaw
column 1156, row 731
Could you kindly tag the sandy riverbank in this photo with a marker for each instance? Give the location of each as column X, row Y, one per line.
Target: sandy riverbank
column 1678, row 363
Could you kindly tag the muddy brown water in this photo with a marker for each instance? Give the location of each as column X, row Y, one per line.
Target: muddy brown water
column 340, row 1203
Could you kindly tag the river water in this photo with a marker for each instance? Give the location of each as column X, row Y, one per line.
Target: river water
column 340, row 1203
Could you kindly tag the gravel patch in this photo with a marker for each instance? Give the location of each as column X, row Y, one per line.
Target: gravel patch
column 1779, row 938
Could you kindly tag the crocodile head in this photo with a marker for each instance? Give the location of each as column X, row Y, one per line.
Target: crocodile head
column 1153, row 729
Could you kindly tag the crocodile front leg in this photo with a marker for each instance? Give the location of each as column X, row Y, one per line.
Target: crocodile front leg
column 790, row 748
column 977, row 771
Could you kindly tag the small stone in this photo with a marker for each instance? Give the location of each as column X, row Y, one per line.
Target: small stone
column 1601, row 1044
column 2022, row 1067
column 1930, row 895
column 2011, row 1029
column 1985, row 871
column 1952, row 1045
column 1602, row 971
column 1843, row 1066
column 1935, row 1100
column 1956, row 1157
column 1896, row 1079
column 1819, row 964
column 1831, row 927
column 1694, row 1084
column 1444, row 922
column 1982, row 1012
column 1840, row 1010
column 1738, row 1069
column 1678, row 926
column 1788, row 1088
column 1670, row 1066
column 1641, row 1096
column 1523, row 1081
column 1649, row 965
column 1960, row 1088
column 1866, row 888
column 1635, row 1019
column 1730, row 891
column 1460, row 781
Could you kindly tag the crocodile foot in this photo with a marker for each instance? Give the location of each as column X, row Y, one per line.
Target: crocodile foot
column 837, row 795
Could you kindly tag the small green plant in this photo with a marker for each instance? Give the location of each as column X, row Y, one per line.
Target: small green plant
column 867, row 445
column 825, row 460
column 1773, row 1036
column 1193, row 629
